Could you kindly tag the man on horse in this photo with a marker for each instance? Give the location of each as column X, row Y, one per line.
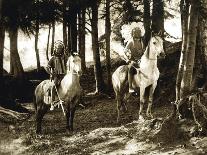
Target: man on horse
column 57, row 68
column 133, row 52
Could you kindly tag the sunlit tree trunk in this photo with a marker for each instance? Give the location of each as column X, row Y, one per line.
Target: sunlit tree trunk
column 108, row 35
column 184, row 8
column 95, row 47
column 186, row 83
column 48, row 42
column 147, row 21
column 16, row 65
column 37, row 26
column 2, row 38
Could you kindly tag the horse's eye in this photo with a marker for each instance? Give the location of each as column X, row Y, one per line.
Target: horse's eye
column 154, row 42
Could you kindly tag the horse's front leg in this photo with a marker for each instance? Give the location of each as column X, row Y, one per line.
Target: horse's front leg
column 41, row 111
column 150, row 101
column 142, row 100
column 70, row 116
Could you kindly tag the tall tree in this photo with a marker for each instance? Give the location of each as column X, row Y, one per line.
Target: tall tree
column 108, row 35
column 147, row 21
column 95, row 46
column 48, row 42
column 158, row 17
column 15, row 64
column 186, row 83
column 82, row 38
column 37, row 27
column 184, row 9
column 64, row 23
column 73, row 25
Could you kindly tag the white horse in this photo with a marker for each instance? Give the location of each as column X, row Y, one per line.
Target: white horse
column 145, row 76
column 69, row 92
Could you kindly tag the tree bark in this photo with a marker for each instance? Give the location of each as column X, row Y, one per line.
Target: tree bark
column 158, row 17
column 186, row 83
column 48, row 42
column 82, row 37
column 17, row 69
column 147, row 22
column 73, row 27
column 108, row 35
column 95, row 47
column 37, row 27
column 53, row 37
column 64, row 24
column 184, row 9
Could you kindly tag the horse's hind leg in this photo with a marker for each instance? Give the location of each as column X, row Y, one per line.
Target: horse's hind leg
column 118, row 105
column 149, row 108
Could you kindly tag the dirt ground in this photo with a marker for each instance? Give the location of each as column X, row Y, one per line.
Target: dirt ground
column 96, row 132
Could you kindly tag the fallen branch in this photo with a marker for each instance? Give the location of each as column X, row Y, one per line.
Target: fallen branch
column 17, row 115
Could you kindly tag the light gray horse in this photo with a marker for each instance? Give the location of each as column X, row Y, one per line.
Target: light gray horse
column 146, row 76
column 69, row 92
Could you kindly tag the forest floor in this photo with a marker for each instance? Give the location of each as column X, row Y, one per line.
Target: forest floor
column 97, row 132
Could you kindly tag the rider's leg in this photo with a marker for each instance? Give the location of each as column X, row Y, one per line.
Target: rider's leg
column 130, row 78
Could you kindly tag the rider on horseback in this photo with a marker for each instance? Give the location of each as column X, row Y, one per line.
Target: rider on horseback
column 133, row 52
column 57, row 68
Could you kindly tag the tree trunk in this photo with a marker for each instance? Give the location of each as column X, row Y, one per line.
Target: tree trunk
column 48, row 42
column 37, row 27
column 53, row 38
column 73, row 28
column 186, row 83
column 82, row 38
column 69, row 39
column 2, row 38
column 147, row 22
column 108, row 35
column 184, row 9
column 158, row 17
column 95, row 47
column 203, row 32
column 17, row 69
column 64, row 24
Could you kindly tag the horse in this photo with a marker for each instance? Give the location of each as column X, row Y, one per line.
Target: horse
column 69, row 91
column 145, row 76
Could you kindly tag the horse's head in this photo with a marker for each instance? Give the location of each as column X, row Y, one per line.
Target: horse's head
column 74, row 64
column 155, row 48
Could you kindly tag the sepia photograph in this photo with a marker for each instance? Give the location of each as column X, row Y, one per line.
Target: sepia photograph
column 103, row 77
